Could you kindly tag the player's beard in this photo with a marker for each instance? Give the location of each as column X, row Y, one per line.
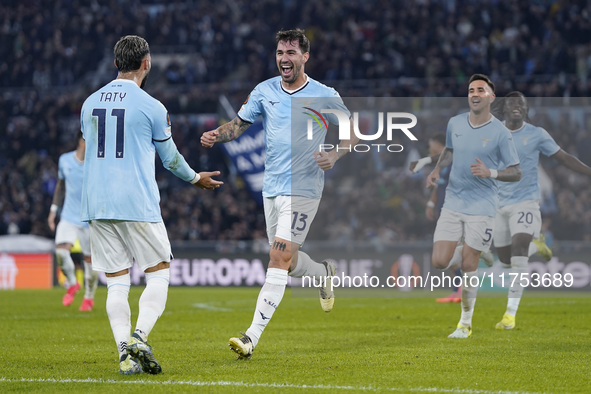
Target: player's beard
column 144, row 81
column 295, row 73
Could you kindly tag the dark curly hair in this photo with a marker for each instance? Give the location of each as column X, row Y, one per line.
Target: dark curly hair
column 129, row 53
column 294, row 35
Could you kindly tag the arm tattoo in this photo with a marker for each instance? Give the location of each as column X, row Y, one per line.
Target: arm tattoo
column 445, row 158
column 232, row 130
column 279, row 246
column 510, row 174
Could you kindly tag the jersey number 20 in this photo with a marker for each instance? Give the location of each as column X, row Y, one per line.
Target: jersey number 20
column 101, row 114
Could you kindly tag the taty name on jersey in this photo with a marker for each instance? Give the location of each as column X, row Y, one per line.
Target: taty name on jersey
column 112, row 96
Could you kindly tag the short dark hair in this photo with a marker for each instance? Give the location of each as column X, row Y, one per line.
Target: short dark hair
column 294, row 35
column 129, row 53
column 516, row 93
column 482, row 77
column 438, row 137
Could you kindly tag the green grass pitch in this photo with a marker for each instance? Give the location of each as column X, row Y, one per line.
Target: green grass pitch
column 363, row 345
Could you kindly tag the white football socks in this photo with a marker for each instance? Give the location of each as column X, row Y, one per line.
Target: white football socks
column 268, row 301
column 90, row 281
column 308, row 267
column 118, row 310
column 152, row 301
column 519, row 267
column 469, row 293
column 64, row 260
column 456, row 258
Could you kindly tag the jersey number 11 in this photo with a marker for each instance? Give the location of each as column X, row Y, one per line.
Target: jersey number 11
column 101, row 114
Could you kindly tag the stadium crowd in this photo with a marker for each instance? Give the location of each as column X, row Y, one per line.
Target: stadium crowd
column 55, row 53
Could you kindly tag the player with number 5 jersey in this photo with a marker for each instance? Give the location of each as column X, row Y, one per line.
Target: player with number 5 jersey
column 124, row 127
column 483, row 153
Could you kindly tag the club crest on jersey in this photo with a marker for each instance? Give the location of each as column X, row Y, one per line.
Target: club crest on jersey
column 525, row 140
column 485, row 141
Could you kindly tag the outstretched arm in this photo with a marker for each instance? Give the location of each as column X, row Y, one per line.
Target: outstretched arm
column 225, row 133
column 176, row 163
column 572, row 162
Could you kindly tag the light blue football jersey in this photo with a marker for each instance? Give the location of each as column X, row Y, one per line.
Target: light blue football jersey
column 71, row 171
column 123, row 127
column 492, row 143
column 529, row 141
column 290, row 168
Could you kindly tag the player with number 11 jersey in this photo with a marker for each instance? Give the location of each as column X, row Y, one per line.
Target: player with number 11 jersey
column 123, row 127
column 121, row 122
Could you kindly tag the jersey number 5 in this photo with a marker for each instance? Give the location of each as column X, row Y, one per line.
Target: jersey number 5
column 101, row 114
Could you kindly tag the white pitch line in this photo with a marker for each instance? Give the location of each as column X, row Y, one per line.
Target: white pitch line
column 209, row 307
column 263, row 385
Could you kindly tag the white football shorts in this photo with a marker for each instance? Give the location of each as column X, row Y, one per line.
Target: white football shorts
column 521, row 218
column 117, row 243
column 289, row 217
column 476, row 230
column 68, row 233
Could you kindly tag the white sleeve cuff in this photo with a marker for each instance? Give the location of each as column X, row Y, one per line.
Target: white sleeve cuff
column 196, row 179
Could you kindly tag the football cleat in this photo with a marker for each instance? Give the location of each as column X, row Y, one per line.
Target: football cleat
column 326, row 292
column 87, row 305
column 454, row 297
column 69, row 296
column 140, row 350
column 242, row 347
column 488, row 258
column 543, row 249
column 129, row 365
column 461, row 332
column 506, row 323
